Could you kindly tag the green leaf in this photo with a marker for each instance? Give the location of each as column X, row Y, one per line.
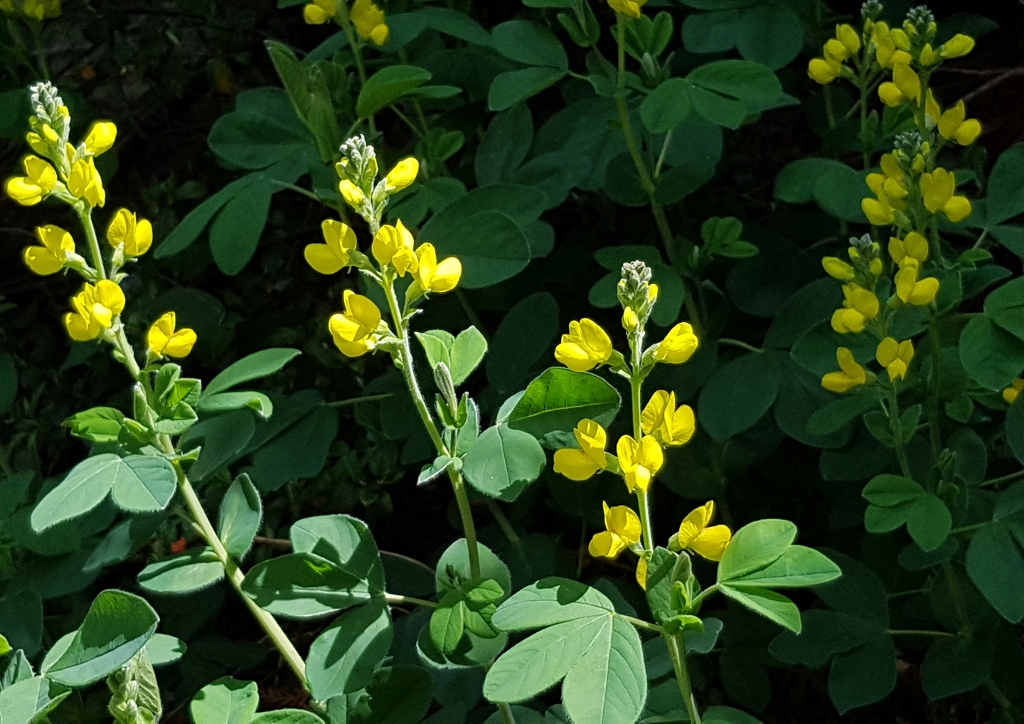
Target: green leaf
column 863, row 675
column 839, row 191
column 263, row 130
column 225, row 701
column 300, row 451
column 795, row 183
column 503, row 461
column 241, row 512
column 182, row 573
column 748, row 82
column 516, row 86
column 236, row 230
column 550, row 601
column 228, row 401
column 286, row 716
column 21, row 620
column 609, row 684
column 771, row 35
column 115, row 629
column 453, row 568
column 737, row 395
column 506, row 253
column 929, row 522
column 144, row 484
column 223, row 439
column 82, row 489
column 727, row 715
column 163, row 649
column 304, row 585
column 189, row 228
column 1006, row 186
column 887, row 491
column 717, row 109
column 558, row 399
column 797, row 567
column 995, row 564
column 397, row 695
column 755, row 546
column 8, row 383
column 667, row 106
column 504, row 146
column 30, row 700
column 259, row 364
column 529, row 43
column 992, row 356
column 955, row 665
column 525, row 336
column 1005, row 307
column 343, row 658
column 448, row 622
column 773, row 606
column 343, row 540
column 100, row 424
column 388, row 85
column 467, row 352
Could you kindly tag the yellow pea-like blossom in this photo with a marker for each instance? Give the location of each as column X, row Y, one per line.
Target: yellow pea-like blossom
column 583, row 463
column 890, row 190
column 394, row 245
column 859, row 306
column 678, row 346
column 433, row 276
column 670, row 425
column 49, row 256
column 895, row 357
column 623, row 530
column 695, row 534
column 586, row 346
column 639, row 461
column 824, row 70
column 912, row 248
column 837, row 268
column 319, row 12
column 101, row 137
column 38, row 182
column 165, row 340
column 85, row 182
column 904, row 86
column 1011, row 393
column 911, row 290
column 954, row 125
column 937, row 190
column 844, row 44
column 402, row 175
column 850, row 373
column 886, row 52
column 957, row 46
column 95, row 308
column 44, row 141
column 354, row 329
column 630, row 322
column 333, row 255
column 352, row 194
column 929, row 56
column 629, row 8
column 135, row 234
column 369, row 21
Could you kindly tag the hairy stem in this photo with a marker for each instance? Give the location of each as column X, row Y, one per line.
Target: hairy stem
column 94, row 243
column 677, row 650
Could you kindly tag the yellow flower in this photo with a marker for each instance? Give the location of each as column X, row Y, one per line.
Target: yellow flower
column 85, row 182
column 100, row 137
column 824, row 70
column 630, row 322
column 957, row 46
column 582, row 463
column 369, row 21
column 837, row 268
column 432, row 276
column 851, row 374
column 402, row 175
column 695, row 535
column 669, row 424
column 164, row 339
column 1011, row 393
column 352, row 194
column 319, row 12
column 37, row 183
column 136, row 235
column 354, row 329
column 630, row 8
column 895, row 357
column 859, row 306
column 40, row 9
column 913, row 248
column 639, row 461
column 913, row 291
column 49, row 256
column 928, row 56
column 678, row 346
column 585, row 347
column 849, row 37
column 905, row 85
column 937, row 190
column 955, row 126
column 394, row 245
column 332, row 255
column 886, row 51
column 95, row 309
column 623, row 531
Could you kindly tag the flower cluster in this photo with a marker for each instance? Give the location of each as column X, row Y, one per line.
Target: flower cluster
column 844, row 46
column 360, row 328
column 905, row 187
column 65, row 172
column 38, row 10
column 367, row 18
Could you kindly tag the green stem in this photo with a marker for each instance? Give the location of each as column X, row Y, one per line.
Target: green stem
column 897, row 432
column 934, row 414
column 357, row 53
column 94, row 243
column 635, row 385
column 968, row 528
column 695, row 603
column 299, row 190
column 1004, row 479
column 506, row 713
column 357, row 400
column 914, row 632
column 503, row 522
column 677, row 650
column 397, row 600
column 740, row 344
column 640, row 623
column 405, row 360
